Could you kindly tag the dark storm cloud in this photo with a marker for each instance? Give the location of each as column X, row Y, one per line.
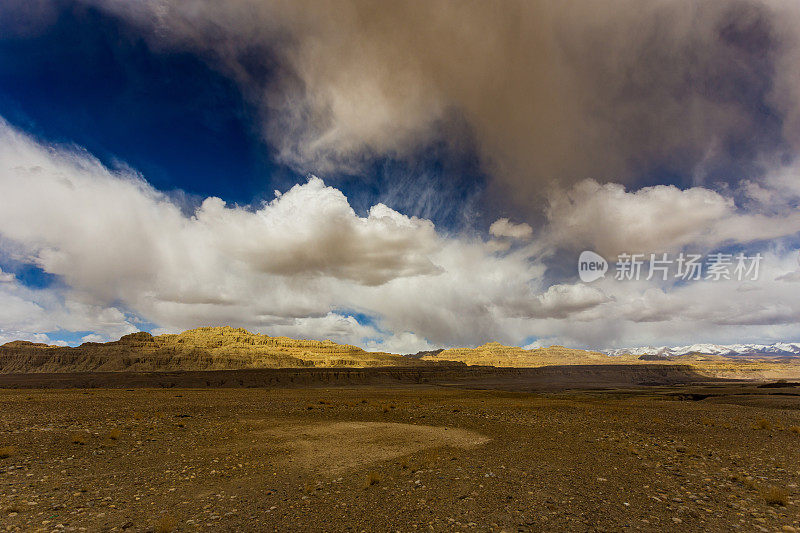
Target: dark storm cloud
column 554, row 91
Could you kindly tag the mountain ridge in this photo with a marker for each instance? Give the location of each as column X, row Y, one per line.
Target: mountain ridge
column 778, row 349
column 228, row 348
column 206, row 348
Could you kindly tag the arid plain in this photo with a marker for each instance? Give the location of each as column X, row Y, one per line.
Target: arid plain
column 424, row 447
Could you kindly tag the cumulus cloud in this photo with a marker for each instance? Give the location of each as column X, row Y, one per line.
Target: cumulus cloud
column 63, row 205
column 126, row 255
column 502, row 227
column 612, row 220
column 311, row 229
column 286, row 266
column 558, row 301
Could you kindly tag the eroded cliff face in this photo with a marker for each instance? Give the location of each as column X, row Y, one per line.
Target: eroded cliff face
column 226, row 348
column 210, row 348
column 496, row 354
column 717, row 366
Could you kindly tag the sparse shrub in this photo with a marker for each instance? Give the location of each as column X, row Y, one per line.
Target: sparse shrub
column 795, row 429
column 373, row 478
column 308, row 487
column 114, row 434
column 7, row 451
column 136, row 415
column 79, row 438
column 763, row 423
column 776, row 495
column 386, row 409
column 707, row 422
column 166, row 524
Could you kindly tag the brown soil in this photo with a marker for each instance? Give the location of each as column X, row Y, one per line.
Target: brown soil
column 410, row 458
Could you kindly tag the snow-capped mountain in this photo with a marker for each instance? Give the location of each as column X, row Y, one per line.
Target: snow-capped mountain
column 783, row 349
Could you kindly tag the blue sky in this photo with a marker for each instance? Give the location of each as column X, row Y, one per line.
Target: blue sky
column 93, row 80
column 90, row 79
column 424, row 138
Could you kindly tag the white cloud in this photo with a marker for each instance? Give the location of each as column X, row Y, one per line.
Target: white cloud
column 657, row 219
column 284, row 267
column 502, row 227
column 25, row 314
column 305, row 264
column 6, row 277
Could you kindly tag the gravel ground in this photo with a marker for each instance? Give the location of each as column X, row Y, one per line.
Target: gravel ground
column 399, row 459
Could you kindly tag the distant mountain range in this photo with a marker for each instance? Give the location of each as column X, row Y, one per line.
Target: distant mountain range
column 779, row 349
column 226, row 348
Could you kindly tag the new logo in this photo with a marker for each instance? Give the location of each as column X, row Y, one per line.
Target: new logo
column 591, row 266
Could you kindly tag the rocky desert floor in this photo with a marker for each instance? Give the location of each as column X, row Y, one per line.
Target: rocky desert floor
column 412, row 458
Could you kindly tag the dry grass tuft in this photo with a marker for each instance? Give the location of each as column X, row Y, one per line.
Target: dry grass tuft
column 166, row 524
column 763, row 423
column 7, row 451
column 79, row 438
column 373, row 478
column 114, row 434
column 776, row 495
column 795, row 429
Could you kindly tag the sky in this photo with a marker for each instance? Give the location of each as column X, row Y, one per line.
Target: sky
column 401, row 176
